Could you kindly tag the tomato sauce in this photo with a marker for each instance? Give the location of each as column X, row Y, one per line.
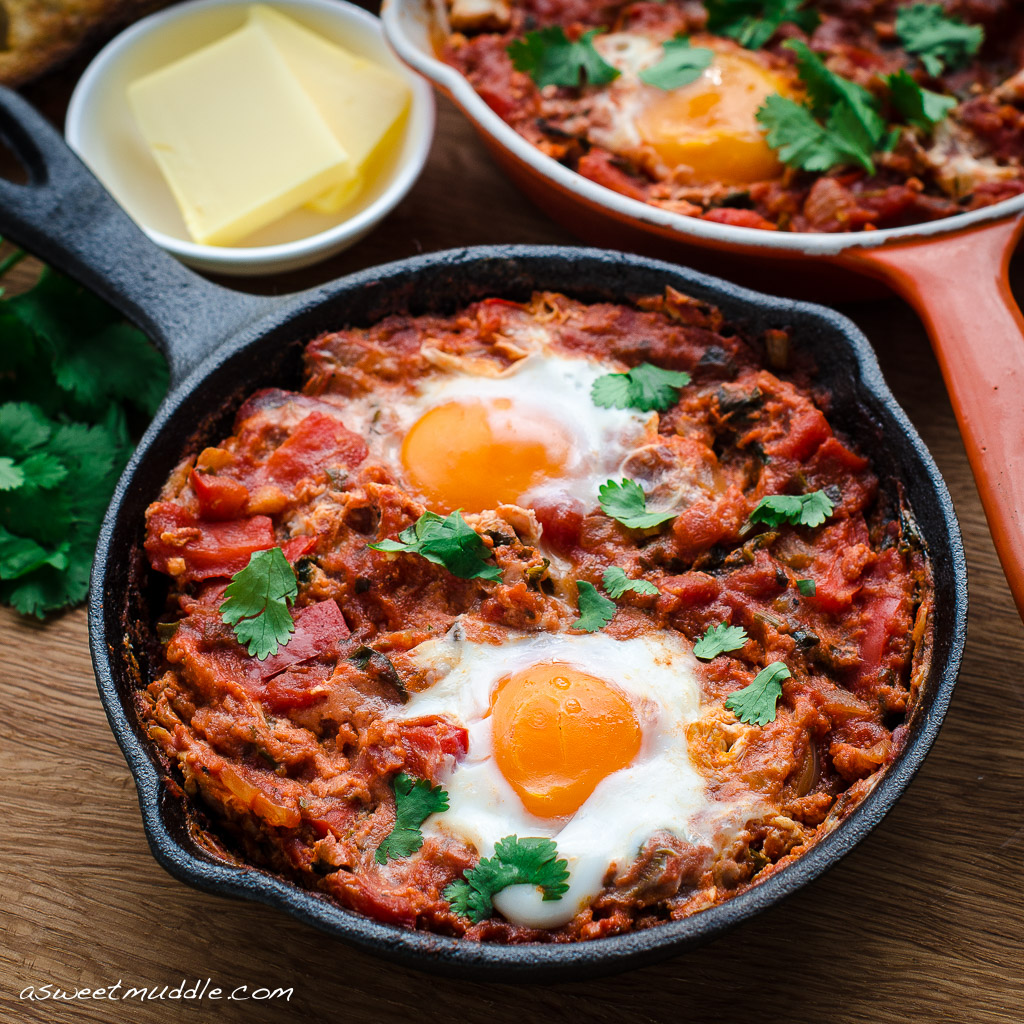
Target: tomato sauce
column 293, row 757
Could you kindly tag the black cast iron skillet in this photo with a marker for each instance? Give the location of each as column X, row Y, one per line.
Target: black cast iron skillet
column 223, row 345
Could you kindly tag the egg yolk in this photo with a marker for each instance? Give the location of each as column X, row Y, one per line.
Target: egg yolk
column 557, row 733
column 710, row 125
column 475, row 455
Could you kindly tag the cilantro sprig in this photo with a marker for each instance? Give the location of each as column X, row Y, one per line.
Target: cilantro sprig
column 841, row 124
column 646, row 387
column 626, row 503
column 616, row 583
column 680, row 65
column 752, row 23
column 719, row 639
column 940, row 42
column 796, row 509
column 415, row 801
column 596, row 611
column 445, row 540
column 549, row 57
column 258, row 601
column 756, row 703
column 72, row 374
column 515, row 862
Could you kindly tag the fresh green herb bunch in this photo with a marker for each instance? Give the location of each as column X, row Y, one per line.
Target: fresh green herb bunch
column 73, row 378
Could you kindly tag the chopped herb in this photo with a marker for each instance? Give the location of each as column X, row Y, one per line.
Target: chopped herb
column 165, row 631
column 616, row 583
column 752, row 23
column 941, row 42
column 549, row 58
column 515, row 862
column 842, row 124
column 596, row 611
column 626, row 503
column 796, row 509
column 755, row 704
column 917, row 106
column 449, row 541
column 415, row 801
column 719, row 639
column 257, row 605
column 680, row 65
column 645, row 387
column 807, row 587
column 379, row 667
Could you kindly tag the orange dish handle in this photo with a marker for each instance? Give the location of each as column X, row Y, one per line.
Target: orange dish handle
column 960, row 286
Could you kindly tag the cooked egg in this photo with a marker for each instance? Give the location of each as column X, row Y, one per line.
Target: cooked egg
column 577, row 738
column 705, row 132
column 474, row 440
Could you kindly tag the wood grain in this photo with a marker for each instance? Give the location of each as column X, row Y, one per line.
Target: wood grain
column 923, row 922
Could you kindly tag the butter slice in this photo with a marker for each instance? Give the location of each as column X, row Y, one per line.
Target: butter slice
column 237, row 137
column 359, row 101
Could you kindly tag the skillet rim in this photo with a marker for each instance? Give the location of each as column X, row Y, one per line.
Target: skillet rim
column 459, row 957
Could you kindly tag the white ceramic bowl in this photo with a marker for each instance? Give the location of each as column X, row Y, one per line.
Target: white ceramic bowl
column 101, row 129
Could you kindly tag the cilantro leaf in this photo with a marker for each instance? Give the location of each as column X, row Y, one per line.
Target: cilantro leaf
column 549, row 58
column 917, row 106
column 680, row 65
column 755, row 703
column 11, row 474
column 515, row 862
column 719, row 639
column 131, row 370
column 752, row 23
column 800, row 141
column 43, row 470
column 941, row 42
column 48, row 589
column 21, row 555
column 646, row 387
column 596, row 611
column 796, row 509
column 23, row 428
column 450, row 542
column 257, row 602
column 415, row 801
column 67, row 363
column 626, row 503
column 807, row 587
column 616, row 583
column 93, row 355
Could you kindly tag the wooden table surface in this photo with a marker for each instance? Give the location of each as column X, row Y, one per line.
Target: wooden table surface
column 923, row 922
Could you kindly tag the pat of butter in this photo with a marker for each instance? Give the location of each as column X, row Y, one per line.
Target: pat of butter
column 237, row 138
column 360, row 101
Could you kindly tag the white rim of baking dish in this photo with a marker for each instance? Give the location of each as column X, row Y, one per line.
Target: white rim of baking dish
column 285, row 255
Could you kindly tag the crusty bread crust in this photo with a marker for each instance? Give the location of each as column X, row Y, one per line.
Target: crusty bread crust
column 37, row 35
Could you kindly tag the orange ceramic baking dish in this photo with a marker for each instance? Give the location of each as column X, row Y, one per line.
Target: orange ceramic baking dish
column 953, row 271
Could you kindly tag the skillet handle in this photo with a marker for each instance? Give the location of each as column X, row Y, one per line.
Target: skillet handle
column 959, row 284
column 64, row 216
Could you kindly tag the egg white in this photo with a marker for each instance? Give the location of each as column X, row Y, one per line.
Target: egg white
column 659, row 791
column 542, row 386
